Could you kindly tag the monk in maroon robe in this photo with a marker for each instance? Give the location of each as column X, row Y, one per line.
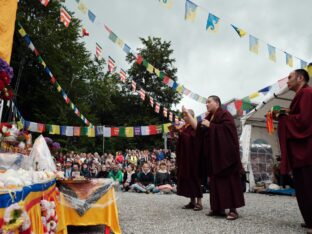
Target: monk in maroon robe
column 189, row 184
column 295, row 136
column 217, row 142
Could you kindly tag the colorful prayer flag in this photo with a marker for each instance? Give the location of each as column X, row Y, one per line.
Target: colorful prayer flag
column 114, row 132
column 212, row 22
column 113, row 37
column 91, row 132
column 82, row 7
column 107, row 132
column 272, row 53
column 107, row 28
column 165, row 127
column 22, row 32
column 69, row 131
column 151, row 102
column 152, row 129
column 85, row 33
column 98, row 51
column 165, row 112
column 139, row 59
column 119, row 42
column 91, row 16
column 253, row 44
column 303, row 64
column 137, row 131
column 142, row 94
column 166, row 3
column 111, row 64
column 133, row 84
column 122, row 75
column 157, row 107
column 239, row 31
column 231, row 108
column 126, row 49
column 289, row 59
column 254, row 95
column 129, row 132
column 170, row 116
column 77, row 131
column 265, row 90
column 65, row 17
column 44, row 2
column 190, row 10
column 150, row 68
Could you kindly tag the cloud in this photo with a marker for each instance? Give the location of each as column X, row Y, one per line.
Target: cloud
column 210, row 63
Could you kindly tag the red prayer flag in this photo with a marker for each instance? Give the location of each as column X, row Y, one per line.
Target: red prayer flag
column 152, row 129
column 139, row 59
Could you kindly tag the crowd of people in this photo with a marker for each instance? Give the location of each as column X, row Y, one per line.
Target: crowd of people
column 133, row 170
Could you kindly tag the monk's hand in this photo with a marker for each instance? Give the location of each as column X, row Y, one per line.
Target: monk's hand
column 285, row 110
column 184, row 110
column 275, row 114
column 206, row 123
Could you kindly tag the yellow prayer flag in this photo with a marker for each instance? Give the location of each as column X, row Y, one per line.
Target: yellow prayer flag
column 20, row 125
column 59, row 88
column 157, row 72
column 129, row 132
column 22, row 32
column 7, row 24
column 83, row 8
column 166, row 127
column 180, row 88
column 56, row 129
column 150, row 68
column 119, row 42
column 167, row 3
column 254, row 95
column 91, row 132
column 44, row 64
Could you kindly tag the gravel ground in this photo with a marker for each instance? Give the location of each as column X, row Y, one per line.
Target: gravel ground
column 148, row 213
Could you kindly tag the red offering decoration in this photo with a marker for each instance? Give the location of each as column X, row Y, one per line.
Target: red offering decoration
column 269, row 122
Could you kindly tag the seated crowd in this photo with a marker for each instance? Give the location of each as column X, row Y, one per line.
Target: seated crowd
column 135, row 170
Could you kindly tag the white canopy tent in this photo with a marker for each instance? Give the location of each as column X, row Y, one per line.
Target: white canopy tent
column 259, row 149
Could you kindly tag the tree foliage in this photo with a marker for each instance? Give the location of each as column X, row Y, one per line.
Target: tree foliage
column 99, row 95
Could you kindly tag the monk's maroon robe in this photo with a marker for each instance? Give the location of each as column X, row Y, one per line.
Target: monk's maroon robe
column 219, row 146
column 188, row 184
column 295, row 137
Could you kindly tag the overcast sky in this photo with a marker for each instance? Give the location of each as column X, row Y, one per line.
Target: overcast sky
column 208, row 63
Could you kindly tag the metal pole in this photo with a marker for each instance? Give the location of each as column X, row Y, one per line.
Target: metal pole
column 103, row 140
column 1, row 109
column 165, row 140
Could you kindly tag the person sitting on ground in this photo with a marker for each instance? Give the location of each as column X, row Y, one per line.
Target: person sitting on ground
column 116, row 175
column 103, row 173
column 162, row 180
column 76, row 171
column 85, row 171
column 129, row 177
column 145, row 180
column 68, row 169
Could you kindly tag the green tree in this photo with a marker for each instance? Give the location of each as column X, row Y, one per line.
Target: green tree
column 100, row 96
